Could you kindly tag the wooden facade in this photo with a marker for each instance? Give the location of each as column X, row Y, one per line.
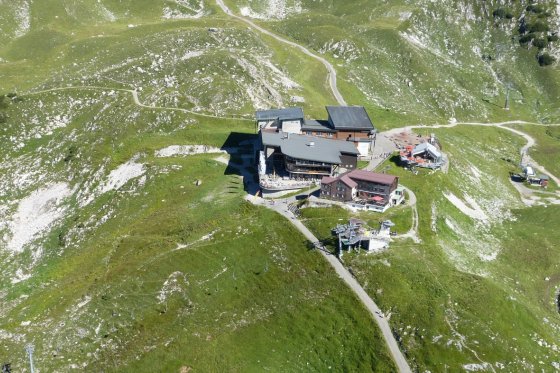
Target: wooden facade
column 361, row 185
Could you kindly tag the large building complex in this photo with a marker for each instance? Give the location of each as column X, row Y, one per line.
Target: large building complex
column 348, row 123
column 294, row 152
column 291, row 161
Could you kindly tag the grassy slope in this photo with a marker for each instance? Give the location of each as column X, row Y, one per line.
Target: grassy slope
column 438, row 75
column 261, row 305
column 229, row 69
column 446, row 302
column 440, row 287
column 243, row 304
column 547, row 150
column 235, row 300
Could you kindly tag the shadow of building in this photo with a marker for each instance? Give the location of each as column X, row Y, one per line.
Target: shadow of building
column 241, row 148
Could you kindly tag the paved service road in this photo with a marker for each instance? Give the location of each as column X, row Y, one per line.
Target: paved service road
column 282, row 208
column 328, row 65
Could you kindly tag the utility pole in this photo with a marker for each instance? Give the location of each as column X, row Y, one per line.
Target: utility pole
column 506, row 105
column 374, row 139
column 339, row 246
column 29, row 348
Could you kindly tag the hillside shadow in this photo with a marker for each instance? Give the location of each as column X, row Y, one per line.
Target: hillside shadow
column 491, row 103
column 325, row 245
column 241, row 148
column 396, row 160
column 516, row 178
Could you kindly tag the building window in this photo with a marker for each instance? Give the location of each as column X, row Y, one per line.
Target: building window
column 329, row 134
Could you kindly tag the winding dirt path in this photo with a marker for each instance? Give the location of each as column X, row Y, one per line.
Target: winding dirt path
column 281, row 206
column 136, row 100
column 524, row 150
column 331, row 71
column 413, row 231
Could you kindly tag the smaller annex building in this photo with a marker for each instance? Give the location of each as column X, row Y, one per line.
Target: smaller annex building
column 364, row 190
column 426, row 154
column 285, row 120
column 532, row 177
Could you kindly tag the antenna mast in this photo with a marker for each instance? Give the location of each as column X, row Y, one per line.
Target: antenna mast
column 29, row 349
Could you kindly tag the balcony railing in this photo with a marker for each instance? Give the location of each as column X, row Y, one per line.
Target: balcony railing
column 304, row 162
column 321, row 170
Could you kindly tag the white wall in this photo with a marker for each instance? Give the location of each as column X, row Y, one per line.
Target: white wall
column 291, row 126
column 363, row 148
column 267, row 124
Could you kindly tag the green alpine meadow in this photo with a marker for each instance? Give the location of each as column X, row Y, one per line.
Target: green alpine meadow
column 279, row 186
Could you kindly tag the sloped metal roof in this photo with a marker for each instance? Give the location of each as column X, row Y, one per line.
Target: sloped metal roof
column 309, row 148
column 316, row 125
column 349, row 117
column 427, row 147
column 350, row 178
column 346, row 180
column 291, row 113
column 327, row 179
column 373, row 177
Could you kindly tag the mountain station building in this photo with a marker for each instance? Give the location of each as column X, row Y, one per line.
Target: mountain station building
column 292, row 161
column 346, row 123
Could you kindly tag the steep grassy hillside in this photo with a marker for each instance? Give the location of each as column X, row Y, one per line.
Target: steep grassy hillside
column 420, row 61
column 476, row 293
column 206, row 64
column 168, row 275
column 125, row 243
column 117, row 258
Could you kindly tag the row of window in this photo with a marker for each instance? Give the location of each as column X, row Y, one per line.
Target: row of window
column 319, row 134
column 336, row 195
column 306, row 162
column 372, row 188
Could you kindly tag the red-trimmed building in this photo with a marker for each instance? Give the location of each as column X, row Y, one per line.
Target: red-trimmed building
column 364, row 190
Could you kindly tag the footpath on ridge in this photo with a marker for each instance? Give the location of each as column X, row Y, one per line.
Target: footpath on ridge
column 383, row 147
column 282, row 209
column 281, row 206
column 328, row 65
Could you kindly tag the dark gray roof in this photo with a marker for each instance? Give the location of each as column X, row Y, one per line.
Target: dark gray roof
column 317, row 125
column 349, row 117
column 281, row 114
column 298, row 146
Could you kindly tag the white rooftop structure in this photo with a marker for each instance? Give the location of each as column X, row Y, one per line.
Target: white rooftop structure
column 426, row 147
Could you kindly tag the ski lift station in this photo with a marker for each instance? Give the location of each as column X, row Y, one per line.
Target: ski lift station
column 532, row 177
column 356, row 234
column 425, row 155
